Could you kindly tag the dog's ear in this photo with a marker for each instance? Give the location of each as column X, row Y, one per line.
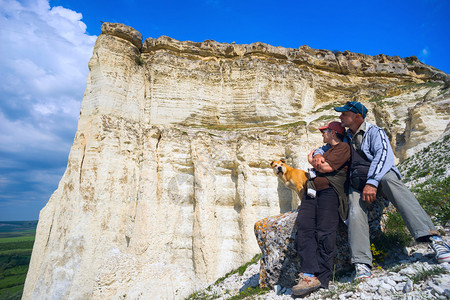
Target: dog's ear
column 271, row 164
column 283, row 161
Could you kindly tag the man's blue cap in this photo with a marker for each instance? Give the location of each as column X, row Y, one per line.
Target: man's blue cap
column 353, row 106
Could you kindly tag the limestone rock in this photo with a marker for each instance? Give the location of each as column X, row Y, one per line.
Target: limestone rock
column 124, row 32
column 169, row 168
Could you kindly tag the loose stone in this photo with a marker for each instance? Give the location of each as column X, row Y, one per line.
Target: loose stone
column 408, row 286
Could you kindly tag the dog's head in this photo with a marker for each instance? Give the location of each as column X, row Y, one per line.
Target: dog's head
column 278, row 166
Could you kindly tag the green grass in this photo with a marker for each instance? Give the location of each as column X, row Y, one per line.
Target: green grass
column 139, row 60
column 409, row 60
column 7, row 240
column 396, row 268
column 433, row 195
column 424, row 274
column 377, row 100
column 420, row 85
column 17, row 228
column 16, row 244
column 430, row 164
column 328, row 107
column 325, row 118
column 28, row 233
column 252, row 291
column 291, row 125
column 201, row 295
column 12, row 293
column 247, row 294
column 240, row 270
column 396, row 235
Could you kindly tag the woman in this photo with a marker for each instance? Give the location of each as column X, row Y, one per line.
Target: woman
column 318, row 216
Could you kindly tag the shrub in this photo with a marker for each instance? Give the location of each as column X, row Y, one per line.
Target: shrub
column 139, row 60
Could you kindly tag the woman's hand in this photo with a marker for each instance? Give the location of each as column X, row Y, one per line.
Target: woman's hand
column 310, row 157
column 317, row 160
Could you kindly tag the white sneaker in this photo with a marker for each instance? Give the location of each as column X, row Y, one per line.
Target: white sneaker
column 441, row 249
column 362, row 271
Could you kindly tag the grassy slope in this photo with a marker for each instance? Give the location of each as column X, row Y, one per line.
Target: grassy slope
column 16, row 244
column 427, row 174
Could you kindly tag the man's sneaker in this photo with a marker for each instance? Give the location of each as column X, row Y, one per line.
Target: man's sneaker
column 305, row 285
column 362, row 271
column 441, row 249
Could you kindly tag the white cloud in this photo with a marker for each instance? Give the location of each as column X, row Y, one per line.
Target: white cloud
column 424, row 54
column 21, row 135
column 43, row 66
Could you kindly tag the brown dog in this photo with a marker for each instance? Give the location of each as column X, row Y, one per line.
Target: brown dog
column 294, row 179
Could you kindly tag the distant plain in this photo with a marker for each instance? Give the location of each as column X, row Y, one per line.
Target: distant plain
column 16, row 244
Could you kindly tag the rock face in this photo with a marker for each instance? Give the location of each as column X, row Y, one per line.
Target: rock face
column 169, row 168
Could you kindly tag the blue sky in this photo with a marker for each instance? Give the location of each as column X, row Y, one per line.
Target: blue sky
column 45, row 48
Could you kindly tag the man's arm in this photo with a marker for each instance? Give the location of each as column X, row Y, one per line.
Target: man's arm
column 383, row 157
column 321, row 150
column 383, row 160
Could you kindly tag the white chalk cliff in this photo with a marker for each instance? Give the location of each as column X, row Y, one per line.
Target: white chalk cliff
column 169, row 169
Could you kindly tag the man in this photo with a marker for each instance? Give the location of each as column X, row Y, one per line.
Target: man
column 372, row 171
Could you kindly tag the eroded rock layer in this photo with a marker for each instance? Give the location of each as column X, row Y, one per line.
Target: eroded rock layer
column 169, row 169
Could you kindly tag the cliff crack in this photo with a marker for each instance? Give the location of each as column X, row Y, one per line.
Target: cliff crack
column 82, row 162
column 339, row 64
column 158, row 173
column 159, row 139
column 50, row 230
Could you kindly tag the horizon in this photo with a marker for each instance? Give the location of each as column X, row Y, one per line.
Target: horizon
column 46, row 47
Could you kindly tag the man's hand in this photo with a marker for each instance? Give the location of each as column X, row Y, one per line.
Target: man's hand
column 369, row 193
column 317, row 161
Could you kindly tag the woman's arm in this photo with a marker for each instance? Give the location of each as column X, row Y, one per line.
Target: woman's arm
column 337, row 157
column 324, row 168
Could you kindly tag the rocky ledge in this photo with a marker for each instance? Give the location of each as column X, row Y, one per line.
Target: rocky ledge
column 345, row 62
